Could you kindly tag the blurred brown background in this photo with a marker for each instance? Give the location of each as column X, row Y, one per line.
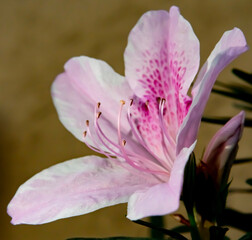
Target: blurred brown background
column 37, row 37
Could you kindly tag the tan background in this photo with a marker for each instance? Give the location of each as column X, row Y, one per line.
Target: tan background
column 36, row 38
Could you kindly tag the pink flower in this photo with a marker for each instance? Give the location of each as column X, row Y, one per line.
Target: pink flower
column 221, row 151
column 146, row 140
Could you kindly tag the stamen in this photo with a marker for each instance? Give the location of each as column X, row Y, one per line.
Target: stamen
column 122, row 144
column 140, row 139
column 131, row 158
column 98, row 114
column 131, row 102
column 145, row 161
column 115, row 160
column 96, row 148
column 127, row 159
column 101, row 135
column 161, row 117
column 166, row 134
column 134, row 155
column 180, row 218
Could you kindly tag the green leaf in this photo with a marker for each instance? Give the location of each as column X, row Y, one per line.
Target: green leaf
column 224, row 120
column 238, row 92
column 217, row 233
column 238, row 190
column 159, row 222
column 247, row 77
column 237, row 219
column 244, row 107
column 210, row 197
column 247, row 236
column 206, row 196
column 189, row 185
column 249, row 181
column 189, row 194
column 170, row 233
column 221, row 202
column 242, row 160
column 182, row 229
column 114, row 238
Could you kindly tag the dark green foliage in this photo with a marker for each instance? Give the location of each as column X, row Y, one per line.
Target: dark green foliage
column 159, row 222
column 241, row 91
column 189, row 194
column 233, row 218
column 242, row 160
column 189, row 186
column 247, row 77
column 247, row 236
column 224, row 120
column 217, row 233
column 167, row 232
column 113, row 238
column 249, row 181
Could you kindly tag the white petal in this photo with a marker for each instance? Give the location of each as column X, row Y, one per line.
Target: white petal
column 73, row 188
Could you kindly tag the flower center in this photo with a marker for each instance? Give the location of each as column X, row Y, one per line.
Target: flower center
column 119, row 151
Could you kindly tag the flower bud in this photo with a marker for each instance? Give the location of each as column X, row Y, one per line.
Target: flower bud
column 213, row 171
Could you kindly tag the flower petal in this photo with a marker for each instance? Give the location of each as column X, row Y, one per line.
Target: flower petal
column 230, row 46
column 74, row 187
column 161, row 60
column 162, row 55
column 77, row 91
column 146, row 121
column 163, row 198
column 222, row 148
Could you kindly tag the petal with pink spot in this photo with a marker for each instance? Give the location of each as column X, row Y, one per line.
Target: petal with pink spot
column 162, row 55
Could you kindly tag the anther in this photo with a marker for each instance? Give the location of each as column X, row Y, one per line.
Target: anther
column 147, row 103
column 98, row 105
column 122, row 102
column 87, row 123
column 180, row 218
column 162, row 101
column 158, row 99
column 85, row 133
column 131, row 102
column 99, row 114
column 124, row 142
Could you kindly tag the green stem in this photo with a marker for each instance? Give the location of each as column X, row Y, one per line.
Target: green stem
column 170, row 233
column 194, row 229
column 157, row 221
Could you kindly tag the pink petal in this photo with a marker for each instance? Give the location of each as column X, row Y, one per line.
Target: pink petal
column 77, row 91
column 230, row 46
column 162, row 55
column 146, row 121
column 161, row 60
column 218, row 155
column 163, row 198
column 74, row 187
